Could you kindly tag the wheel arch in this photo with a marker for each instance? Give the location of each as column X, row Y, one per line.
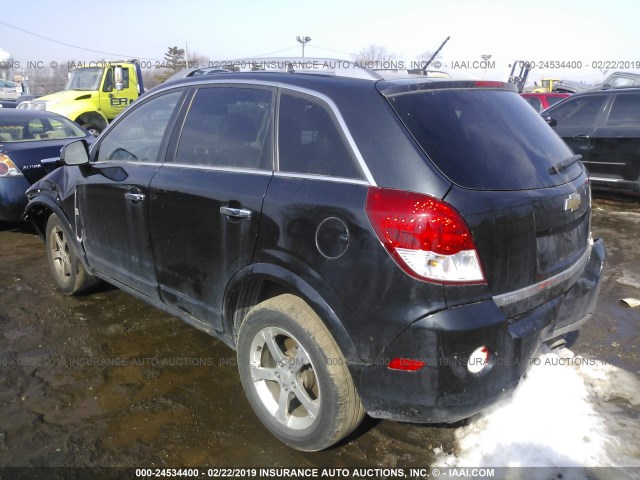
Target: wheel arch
column 259, row 282
column 38, row 212
column 92, row 117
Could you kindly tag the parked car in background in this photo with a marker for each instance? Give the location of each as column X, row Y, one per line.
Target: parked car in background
column 26, row 138
column 16, row 102
column 603, row 126
column 9, row 90
column 400, row 247
column 542, row 101
column 615, row 80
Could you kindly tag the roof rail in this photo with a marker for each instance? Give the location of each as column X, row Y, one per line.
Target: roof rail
column 309, row 65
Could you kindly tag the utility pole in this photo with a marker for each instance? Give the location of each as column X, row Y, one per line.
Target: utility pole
column 303, row 40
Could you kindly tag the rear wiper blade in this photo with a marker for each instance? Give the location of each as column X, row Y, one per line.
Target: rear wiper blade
column 563, row 165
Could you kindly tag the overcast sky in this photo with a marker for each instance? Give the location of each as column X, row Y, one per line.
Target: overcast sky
column 560, row 30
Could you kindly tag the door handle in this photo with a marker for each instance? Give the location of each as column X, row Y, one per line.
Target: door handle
column 134, row 197
column 582, row 136
column 235, row 212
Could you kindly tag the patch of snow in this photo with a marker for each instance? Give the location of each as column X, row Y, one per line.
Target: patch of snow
column 569, row 411
column 628, row 278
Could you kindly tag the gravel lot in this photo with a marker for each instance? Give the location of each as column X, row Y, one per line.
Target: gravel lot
column 105, row 380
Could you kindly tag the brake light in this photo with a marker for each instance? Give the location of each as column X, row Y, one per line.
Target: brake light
column 489, row 84
column 427, row 237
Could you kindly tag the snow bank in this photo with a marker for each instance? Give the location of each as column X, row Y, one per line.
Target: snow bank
column 568, row 412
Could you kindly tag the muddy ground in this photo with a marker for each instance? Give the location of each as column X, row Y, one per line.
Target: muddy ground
column 106, row 380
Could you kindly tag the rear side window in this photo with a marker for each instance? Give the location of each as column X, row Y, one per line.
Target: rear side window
column 625, row 111
column 310, row 140
column 227, row 127
column 485, row 139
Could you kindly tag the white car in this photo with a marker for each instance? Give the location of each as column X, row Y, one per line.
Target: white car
column 9, row 90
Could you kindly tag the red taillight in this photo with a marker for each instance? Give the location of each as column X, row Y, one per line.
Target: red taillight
column 406, row 364
column 7, row 167
column 489, row 84
column 426, row 236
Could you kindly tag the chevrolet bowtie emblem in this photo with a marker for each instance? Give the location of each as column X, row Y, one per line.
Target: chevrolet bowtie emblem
column 572, row 202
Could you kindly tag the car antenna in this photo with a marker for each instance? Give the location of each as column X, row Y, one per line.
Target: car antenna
column 424, row 70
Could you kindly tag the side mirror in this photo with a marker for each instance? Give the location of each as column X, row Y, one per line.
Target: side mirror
column 75, row 153
column 551, row 121
column 117, row 78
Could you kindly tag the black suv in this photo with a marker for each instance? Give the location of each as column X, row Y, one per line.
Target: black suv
column 604, row 128
column 396, row 247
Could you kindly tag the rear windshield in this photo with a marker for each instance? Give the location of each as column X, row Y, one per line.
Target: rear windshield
column 485, row 139
column 36, row 128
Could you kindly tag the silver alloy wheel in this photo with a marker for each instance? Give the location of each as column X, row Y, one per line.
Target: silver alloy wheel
column 284, row 378
column 60, row 254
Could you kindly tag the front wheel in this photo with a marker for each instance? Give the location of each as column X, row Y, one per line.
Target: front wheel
column 92, row 128
column 68, row 272
column 294, row 375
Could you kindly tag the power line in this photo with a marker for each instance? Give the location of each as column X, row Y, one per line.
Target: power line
column 135, row 56
column 331, row 50
column 271, row 53
column 70, row 45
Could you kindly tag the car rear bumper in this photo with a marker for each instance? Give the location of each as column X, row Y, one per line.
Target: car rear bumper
column 445, row 390
column 12, row 198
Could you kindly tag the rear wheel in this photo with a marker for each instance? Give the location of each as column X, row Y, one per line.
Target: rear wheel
column 294, row 375
column 68, row 272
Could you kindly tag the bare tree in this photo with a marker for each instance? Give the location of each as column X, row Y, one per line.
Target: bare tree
column 374, row 54
column 44, row 80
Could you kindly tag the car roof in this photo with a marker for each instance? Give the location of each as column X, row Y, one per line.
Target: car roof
column 322, row 73
column 325, row 82
column 606, row 91
column 23, row 113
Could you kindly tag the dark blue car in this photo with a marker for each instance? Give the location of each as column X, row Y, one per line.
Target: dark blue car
column 26, row 138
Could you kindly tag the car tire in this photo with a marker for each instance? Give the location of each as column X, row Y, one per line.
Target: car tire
column 299, row 385
column 67, row 270
column 92, row 128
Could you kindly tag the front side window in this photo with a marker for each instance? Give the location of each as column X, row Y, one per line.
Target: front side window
column 138, row 136
column 310, row 140
column 578, row 112
column 109, row 82
column 228, row 127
